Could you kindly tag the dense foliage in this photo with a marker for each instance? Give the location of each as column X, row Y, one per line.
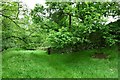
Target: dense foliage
column 76, row 23
column 71, row 25
column 18, row 32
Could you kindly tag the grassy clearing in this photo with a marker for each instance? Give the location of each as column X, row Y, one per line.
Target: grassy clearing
column 37, row 64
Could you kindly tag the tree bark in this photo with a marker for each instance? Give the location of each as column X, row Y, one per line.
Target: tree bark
column 70, row 22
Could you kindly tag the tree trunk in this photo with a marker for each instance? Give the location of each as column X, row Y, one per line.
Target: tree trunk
column 49, row 51
column 70, row 22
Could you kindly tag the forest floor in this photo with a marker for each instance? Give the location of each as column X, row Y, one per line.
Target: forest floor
column 38, row 64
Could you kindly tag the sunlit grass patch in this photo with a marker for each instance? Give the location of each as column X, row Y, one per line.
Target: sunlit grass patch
column 38, row 64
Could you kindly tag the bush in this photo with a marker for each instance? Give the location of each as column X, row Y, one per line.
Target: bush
column 61, row 38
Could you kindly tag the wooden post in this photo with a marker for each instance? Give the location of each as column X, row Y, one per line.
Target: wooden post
column 49, row 51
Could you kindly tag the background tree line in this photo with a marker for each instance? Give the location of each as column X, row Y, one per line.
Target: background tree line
column 65, row 26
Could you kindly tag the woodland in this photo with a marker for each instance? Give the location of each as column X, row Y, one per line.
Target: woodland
column 60, row 40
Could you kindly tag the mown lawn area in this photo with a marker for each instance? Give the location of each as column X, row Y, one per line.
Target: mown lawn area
column 38, row 64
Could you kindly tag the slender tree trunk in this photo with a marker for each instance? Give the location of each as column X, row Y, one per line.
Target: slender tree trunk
column 70, row 22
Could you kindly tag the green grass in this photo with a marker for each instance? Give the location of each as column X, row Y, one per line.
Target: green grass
column 37, row 64
column 0, row 65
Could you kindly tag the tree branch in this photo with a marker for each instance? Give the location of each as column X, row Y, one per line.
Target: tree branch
column 15, row 37
column 11, row 20
column 18, row 9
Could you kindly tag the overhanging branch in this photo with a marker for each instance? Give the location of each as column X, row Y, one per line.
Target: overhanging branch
column 15, row 37
column 11, row 20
